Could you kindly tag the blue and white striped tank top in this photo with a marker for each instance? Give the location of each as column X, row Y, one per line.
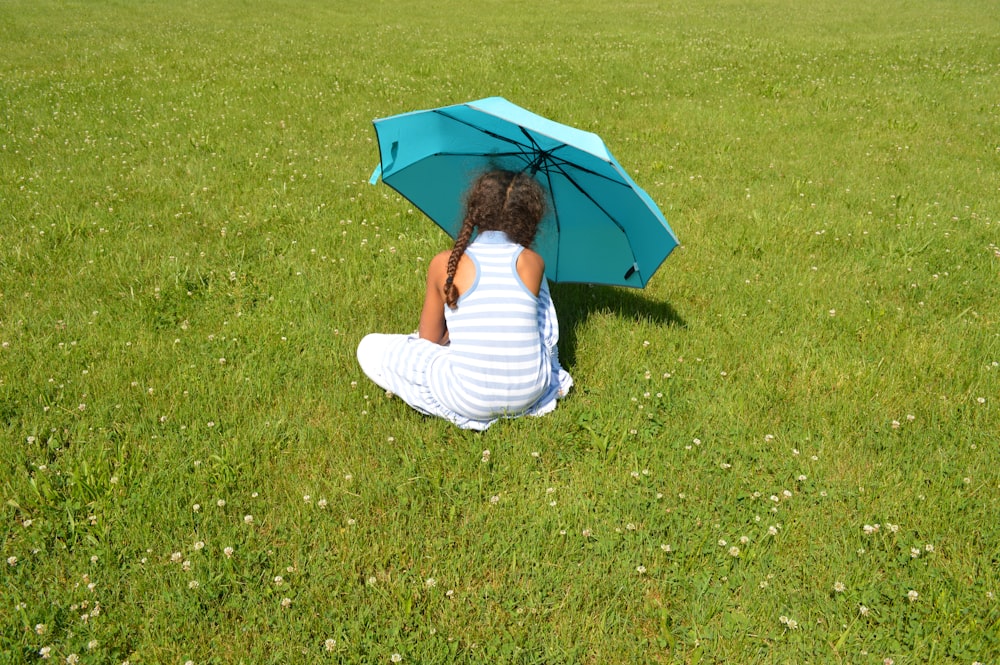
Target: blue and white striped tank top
column 497, row 363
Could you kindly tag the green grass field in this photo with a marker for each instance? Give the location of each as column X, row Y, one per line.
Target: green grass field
column 785, row 450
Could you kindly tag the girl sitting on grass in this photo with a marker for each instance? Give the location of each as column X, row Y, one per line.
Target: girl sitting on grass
column 486, row 346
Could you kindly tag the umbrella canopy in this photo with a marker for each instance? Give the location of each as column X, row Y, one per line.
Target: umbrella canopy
column 600, row 227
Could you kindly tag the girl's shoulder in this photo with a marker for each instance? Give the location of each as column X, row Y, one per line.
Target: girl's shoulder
column 439, row 264
column 531, row 269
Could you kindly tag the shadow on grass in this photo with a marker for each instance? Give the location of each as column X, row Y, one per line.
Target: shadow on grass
column 576, row 302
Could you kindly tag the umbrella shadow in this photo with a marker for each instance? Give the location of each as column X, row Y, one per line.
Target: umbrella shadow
column 576, row 302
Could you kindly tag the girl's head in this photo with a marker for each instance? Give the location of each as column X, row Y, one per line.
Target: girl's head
column 497, row 201
column 506, row 201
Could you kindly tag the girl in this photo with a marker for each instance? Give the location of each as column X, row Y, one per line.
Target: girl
column 486, row 346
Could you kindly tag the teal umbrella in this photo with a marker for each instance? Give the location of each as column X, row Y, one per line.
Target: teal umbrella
column 601, row 227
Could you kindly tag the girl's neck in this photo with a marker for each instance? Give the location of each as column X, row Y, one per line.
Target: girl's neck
column 490, row 236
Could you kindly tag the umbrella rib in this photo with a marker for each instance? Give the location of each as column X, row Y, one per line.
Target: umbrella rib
column 555, row 219
column 522, row 154
column 590, row 198
column 580, row 189
column 499, row 137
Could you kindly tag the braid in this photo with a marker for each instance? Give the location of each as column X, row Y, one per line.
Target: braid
column 461, row 242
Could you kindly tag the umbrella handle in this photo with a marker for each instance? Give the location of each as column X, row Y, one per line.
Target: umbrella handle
column 376, row 174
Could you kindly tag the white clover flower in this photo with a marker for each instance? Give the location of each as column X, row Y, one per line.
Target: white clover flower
column 91, row 645
column 221, row 503
column 193, row 584
column 321, row 503
column 278, row 580
column 40, row 628
column 734, row 551
column 228, row 551
column 176, row 557
column 12, row 561
column 912, row 595
column 396, row 658
column 45, row 653
column 248, row 519
column 286, row 602
column 666, row 548
column 641, row 570
column 329, row 644
column 839, row 587
column 914, row 552
column 929, row 547
column 199, row 545
column 863, row 610
column 430, row 583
